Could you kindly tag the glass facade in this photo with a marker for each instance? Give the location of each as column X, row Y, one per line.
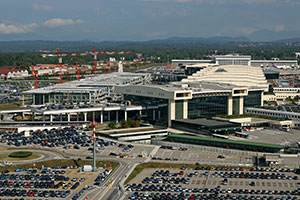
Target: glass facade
column 59, row 98
column 236, row 105
column 253, row 99
column 161, row 112
column 145, row 101
column 207, row 107
column 179, row 109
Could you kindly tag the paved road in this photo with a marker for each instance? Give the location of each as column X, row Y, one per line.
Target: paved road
column 46, row 155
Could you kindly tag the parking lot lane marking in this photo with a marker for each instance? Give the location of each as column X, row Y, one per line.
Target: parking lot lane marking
column 73, row 172
column 88, row 180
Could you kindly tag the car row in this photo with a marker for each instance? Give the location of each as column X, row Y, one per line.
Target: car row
column 101, row 177
column 34, row 193
column 251, row 175
column 81, row 192
column 185, row 196
column 217, row 190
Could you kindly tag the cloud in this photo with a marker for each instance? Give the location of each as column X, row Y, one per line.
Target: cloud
column 17, row 29
column 37, row 6
column 57, row 22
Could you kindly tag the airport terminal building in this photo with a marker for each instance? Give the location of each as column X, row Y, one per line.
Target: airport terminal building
column 237, row 60
column 215, row 90
column 89, row 90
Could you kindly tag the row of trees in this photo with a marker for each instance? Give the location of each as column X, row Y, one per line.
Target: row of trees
column 24, row 60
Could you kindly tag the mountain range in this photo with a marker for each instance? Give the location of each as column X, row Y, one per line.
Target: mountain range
column 280, row 37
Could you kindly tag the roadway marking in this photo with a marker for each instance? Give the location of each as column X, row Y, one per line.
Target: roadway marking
column 88, row 180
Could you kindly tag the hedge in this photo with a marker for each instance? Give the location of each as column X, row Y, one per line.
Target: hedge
column 20, row 154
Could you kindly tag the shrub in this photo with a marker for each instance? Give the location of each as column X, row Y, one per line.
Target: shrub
column 20, row 154
column 136, row 123
column 112, row 124
column 130, row 122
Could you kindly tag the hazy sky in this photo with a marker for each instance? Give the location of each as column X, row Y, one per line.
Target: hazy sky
column 99, row 20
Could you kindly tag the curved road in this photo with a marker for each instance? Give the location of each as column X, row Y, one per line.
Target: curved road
column 46, row 155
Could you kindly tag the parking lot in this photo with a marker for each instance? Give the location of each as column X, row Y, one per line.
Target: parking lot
column 75, row 141
column 55, row 183
column 203, row 157
column 220, row 183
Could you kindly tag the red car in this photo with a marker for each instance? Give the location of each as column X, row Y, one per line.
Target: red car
column 31, row 194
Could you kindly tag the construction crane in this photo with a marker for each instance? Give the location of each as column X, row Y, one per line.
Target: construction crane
column 94, row 53
column 77, row 71
column 108, row 65
column 35, row 77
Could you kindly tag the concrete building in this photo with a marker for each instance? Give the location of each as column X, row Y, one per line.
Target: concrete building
column 294, row 116
column 235, row 59
column 89, row 90
column 221, row 90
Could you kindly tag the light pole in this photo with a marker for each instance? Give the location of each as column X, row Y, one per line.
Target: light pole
column 94, row 124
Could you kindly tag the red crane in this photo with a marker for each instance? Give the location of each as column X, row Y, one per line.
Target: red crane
column 34, row 74
column 108, row 65
column 78, row 70
column 94, row 53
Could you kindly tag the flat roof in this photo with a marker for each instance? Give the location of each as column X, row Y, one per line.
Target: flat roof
column 92, row 83
column 206, row 122
column 227, row 141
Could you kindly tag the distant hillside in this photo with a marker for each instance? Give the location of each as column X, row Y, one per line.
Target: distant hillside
column 32, row 46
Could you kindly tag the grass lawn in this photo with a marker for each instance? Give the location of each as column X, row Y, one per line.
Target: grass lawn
column 63, row 162
column 4, row 157
column 6, row 106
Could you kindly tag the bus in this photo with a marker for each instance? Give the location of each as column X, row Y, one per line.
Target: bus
column 241, row 134
column 220, row 136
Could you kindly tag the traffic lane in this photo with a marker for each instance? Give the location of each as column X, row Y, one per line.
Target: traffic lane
column 111, row 183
